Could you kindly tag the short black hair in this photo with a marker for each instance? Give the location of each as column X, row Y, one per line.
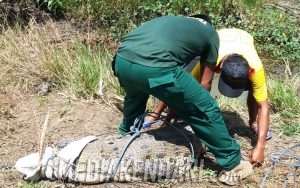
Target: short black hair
column 203, row 17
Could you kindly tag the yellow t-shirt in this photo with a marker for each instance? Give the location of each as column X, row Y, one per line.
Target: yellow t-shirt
column 240, row 42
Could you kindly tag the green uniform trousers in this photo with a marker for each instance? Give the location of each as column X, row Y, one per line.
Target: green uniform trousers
column 180, row 91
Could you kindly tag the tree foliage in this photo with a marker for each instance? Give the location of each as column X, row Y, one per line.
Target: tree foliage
column 276, row 34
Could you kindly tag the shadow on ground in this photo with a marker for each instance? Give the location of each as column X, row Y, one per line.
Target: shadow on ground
column 237, row 126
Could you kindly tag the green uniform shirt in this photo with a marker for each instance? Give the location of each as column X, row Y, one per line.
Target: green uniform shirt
column 169, row 41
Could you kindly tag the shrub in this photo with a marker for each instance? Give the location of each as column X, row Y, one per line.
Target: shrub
column 277, row 38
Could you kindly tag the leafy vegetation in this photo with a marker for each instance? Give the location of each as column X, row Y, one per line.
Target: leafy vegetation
column 276, row 38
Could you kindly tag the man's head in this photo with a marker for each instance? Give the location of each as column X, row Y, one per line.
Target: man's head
column 234, row 76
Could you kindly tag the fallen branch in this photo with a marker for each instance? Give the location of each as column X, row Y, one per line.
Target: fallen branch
column 42, row 136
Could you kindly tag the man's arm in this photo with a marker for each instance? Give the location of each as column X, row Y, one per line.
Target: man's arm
column 207, row 71
column 159, row 108
column 258, row 117
column 203, row 73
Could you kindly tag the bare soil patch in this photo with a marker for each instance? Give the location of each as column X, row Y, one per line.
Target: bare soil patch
column 24, row 115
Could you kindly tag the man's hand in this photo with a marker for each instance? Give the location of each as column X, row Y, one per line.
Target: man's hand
column 257, row 156
column 151, row 118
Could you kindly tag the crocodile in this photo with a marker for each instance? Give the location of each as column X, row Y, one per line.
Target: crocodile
column 159, row 152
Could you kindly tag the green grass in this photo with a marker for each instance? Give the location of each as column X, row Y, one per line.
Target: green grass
column 283, row 97
column 291, row 129
column 285, row 102
column 42, row 53
column 34, row 185
column 87, row 74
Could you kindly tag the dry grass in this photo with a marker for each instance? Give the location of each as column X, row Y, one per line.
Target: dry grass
column 25, row 58
column 57, row 54
column 25, row 53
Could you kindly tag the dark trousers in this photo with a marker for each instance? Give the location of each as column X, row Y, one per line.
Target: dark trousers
column 180, row 91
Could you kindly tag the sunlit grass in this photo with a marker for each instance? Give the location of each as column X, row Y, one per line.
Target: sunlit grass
column 237, row 105
column 283, row 97
column 291, row 129
column 34, row 185
column 88, row 74
column 24, row 53
column 285, row 102
column 81, row 76
column 43, row 53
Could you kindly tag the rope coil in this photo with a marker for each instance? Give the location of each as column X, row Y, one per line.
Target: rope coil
column 278, row 158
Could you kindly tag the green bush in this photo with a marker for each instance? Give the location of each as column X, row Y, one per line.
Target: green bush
column 277, row 35
column 120, row 16
column 276, row 38
column 53, row 6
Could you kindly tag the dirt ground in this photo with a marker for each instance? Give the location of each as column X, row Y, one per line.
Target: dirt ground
column 23, row 115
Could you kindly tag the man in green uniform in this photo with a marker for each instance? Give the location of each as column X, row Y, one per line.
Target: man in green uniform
column 240, row 69
column 150, row 60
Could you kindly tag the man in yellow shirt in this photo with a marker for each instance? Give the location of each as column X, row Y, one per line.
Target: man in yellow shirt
column 240, row 69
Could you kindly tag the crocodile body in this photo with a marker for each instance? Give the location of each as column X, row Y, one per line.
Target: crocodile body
column 157, row 153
